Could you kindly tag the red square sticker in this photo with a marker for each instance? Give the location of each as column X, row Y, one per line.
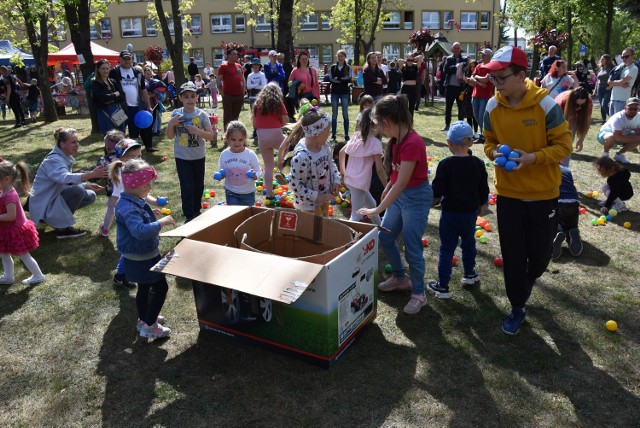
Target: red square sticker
column 288, row 221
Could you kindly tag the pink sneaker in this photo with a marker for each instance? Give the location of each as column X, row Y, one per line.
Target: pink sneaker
column 395, row 283
column 155, row 331
column 415, row 304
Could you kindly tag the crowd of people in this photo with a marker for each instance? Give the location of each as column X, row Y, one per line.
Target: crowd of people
column 388, row 183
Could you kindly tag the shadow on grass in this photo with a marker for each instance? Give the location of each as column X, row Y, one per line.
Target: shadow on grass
column 12, row 301
column 597, row 398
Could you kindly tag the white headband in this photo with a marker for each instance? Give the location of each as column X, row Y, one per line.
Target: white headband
column 318, row 126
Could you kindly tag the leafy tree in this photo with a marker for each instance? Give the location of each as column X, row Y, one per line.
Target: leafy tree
column 359, row 21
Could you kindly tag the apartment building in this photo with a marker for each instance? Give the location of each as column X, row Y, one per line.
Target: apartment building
column 213, row 21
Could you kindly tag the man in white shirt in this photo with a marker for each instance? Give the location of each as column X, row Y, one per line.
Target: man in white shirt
column 622, row 128
column 621, row 89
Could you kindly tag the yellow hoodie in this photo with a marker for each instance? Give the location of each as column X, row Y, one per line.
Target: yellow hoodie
column 536, row 125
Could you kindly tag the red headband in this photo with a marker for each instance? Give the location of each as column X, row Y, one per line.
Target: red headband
column 133, row 179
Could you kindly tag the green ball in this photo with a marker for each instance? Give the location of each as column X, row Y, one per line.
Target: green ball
column 594, row 222
column 387, row 269
column 483, row 239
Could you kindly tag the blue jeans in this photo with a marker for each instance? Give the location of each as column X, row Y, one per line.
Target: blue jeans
column 344, row 100
column 604, row 96
column 407, row 215
column 233, row 198
column 191, row 176
column 615, row 106
column 453, row 226
column 134, row 131
column 479, row 107
column 103, row 120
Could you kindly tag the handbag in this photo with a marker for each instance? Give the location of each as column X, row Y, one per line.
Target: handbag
column 118, row 117
column 461, row 96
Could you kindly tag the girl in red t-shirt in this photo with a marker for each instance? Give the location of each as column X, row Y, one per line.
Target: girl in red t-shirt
column 406, row 199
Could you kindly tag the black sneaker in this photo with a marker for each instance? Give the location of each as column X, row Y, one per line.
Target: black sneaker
column 69, row 233
column 513, row 321
column 439, row 291
column 556, row 250
column 120, row 280
column 471, row 279
column 575, row 242
column 151, row 149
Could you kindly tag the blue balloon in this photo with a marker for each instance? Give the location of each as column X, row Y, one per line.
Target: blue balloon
column 143, row 119
column 504, row 149
column 501, row 160
column 510, row 165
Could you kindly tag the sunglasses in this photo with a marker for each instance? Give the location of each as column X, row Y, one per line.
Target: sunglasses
column 625, row 56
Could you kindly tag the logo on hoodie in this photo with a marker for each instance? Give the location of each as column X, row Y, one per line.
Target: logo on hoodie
column 529, row 122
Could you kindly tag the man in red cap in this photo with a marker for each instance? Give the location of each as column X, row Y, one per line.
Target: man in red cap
column 523, row 117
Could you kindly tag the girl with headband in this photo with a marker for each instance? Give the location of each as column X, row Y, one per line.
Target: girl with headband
column 314, row 176
column 137, row 241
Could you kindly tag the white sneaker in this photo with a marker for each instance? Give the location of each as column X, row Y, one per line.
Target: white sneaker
column 619, row 205
column 155, row 331
column 33, row 279
column 140, row 323
column 5, row 280
column 620, row 157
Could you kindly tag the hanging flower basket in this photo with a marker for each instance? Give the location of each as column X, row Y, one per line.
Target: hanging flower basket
column 239, row 47
column 154, row 54
column 550, row 37
column 420, row 39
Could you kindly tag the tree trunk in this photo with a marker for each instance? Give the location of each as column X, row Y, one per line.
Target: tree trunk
column 368, row 45
column 358, row 31
column 273, row 25
column 40, row 50
column 570, row 38
column 285, row 38
column 175, row 49
column 78, row 17
column 607, row 31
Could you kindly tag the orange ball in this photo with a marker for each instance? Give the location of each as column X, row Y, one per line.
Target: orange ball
column 487, row 227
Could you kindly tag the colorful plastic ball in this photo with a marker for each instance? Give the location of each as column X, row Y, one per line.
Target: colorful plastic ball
column 594, row 222
column 514, row 155
column 510, row 166
column 595, row 193
column 609, row 217
column 207, row 195
column 627, row 225
column 487, row 164
column 436, row 158
column 425, row 242
column 217, row 176
column 267, row 202
column 162, row 201
column 259, row 188
column 275, row 169
column 429, row 158
column 343, row 189
column 501, row 161
column 165, row 211
column 344, row 204
column 492, row 201
column 611, row 325
column 589, row 195
column 314, row 102
column 498, row 261
column 479, row 233
column 338, row 200
column 143, row 119
column 258, row 204
column 165, row 158
column 264, row 191
column 504, row 149
column 478, row 227
column 333, row 202
column 483, row 239
column 583, row 210
column 212, row 193
column 454, row 261
column 387, row 268
column 205, row 205
column 601, row 221
column 613, row 212
column 487, row 227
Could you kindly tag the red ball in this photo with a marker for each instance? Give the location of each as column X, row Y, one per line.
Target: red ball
column 454, row 261
column 258, row 204
column 583, row 210
column 165, row 158
column 205, row 205
column 212, row 193
column 425, row 242
column 497, row 261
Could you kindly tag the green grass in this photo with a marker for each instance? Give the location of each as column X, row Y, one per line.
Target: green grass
column 69, row 353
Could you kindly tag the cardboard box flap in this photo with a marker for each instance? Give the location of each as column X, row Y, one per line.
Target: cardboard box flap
column 205, row 220
column 263, row 275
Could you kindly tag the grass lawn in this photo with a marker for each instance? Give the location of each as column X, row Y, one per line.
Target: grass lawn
column 70, row 356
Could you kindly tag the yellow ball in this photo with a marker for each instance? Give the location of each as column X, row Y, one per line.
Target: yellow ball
column 595, row 193
column 436, row 158
column 479, row 233
column 338, row 200
column 343, row 189
column 627, row 225
column 165, row 211
column 601, row 221
column 275, row 169
column 259, row 188
column 590, row 195
column 611, row 325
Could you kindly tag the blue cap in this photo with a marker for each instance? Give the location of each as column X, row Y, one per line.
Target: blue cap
column 460, row 133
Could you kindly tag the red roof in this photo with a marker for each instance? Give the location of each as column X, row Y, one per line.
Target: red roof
column 68, row 54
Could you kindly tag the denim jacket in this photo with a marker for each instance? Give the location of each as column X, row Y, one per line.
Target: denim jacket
column 137, row 233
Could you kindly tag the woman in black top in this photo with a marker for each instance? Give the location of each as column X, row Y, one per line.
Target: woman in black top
column 107, row 95
column 410, row 72
column 340, row 79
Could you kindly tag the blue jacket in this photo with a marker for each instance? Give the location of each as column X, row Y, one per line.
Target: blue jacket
column 138, row 229
column 568, row 192
column 275, row 74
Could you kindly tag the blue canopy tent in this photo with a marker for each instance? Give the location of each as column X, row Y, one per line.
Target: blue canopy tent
column 7, row 51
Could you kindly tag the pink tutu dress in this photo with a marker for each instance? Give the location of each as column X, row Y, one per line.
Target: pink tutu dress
column 19, row 236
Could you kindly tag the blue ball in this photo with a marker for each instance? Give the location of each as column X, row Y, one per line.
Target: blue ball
column 501, row 160
column 264, row 191
column 223, row 172
column 333, row 202
column 514, row 155
column 143, row 119
column 162, row 201
column 217, row 176
column 510, row 165
column 609, row 217
column 250, row 173
column 504, row 149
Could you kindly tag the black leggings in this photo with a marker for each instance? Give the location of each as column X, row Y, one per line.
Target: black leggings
column 412, row 95
column 150, row 299
column 14, row 103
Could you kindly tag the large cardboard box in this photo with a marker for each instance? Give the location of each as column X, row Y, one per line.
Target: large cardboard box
column 310, row 298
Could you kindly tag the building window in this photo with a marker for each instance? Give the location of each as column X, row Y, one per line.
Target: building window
column 431, row 20
column 469, row 20
column 350, row 50
column 218, row 56
column 408, row 20
column 326, row 25
column 309, row 22
column 137, row 56
column 447, row 20
column 391, row 51
column 131, row 27
column 240, row 24
column 150, row 26
column 262, row 24
column 392, row 21
column 470, row 50
column 198, row 55
column 484, row 20
column 220, row 23
column 105, row 28
column 327, row 54
column 196, row 25
column 408, row 49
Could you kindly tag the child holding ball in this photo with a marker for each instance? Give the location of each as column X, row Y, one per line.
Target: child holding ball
column 240, row 165
column 137, row 241
column 618, row 188
column 461, row 182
